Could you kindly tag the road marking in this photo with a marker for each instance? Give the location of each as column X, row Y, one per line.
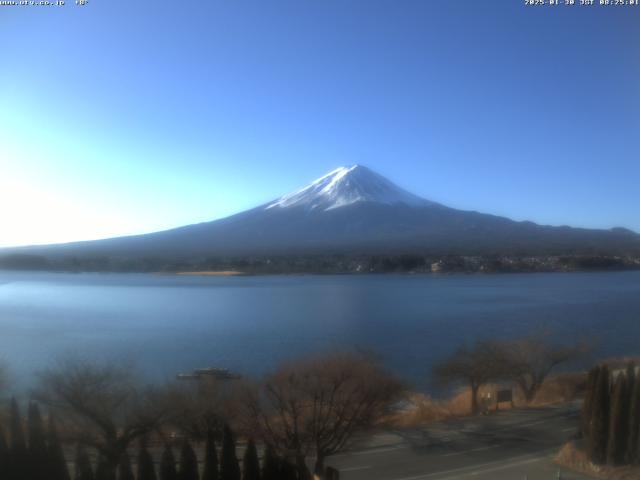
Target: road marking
column 353, row 469
column 499, row 464
column 481, row 449
column 508, row 465
column 453, row 454
column 572, row 429
column 532, row 423
column 379, row 450
column 484, row 448
column 370, row 452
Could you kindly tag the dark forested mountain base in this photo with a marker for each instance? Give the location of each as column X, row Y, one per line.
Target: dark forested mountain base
column 327, row 264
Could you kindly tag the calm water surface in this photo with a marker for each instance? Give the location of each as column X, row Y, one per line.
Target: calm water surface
column 170, row 324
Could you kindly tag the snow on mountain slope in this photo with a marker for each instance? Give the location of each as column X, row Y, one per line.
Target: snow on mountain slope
column 346, row 186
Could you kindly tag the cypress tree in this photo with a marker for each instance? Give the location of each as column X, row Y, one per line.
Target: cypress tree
column 4, row 455
column 270, row 468
column 599, row 429
column 18, row 453
column 229, row 467
column 168, row 465
column 188, row 462
column 587, row 405
column 332, row 473
column 57, row 462
column 125, row 471
column 210, row 459
column 633, row 445
column 38, row 455
column 103, row 472
column 287, row 470
column 250, row 462
column 146, row 470
column 83, row 465
column 619, row 429
column 619, row 424
column 631, row 378
column 18, row 444
column 631, row 384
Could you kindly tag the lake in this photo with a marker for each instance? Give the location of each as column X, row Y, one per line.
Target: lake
column 169, row 324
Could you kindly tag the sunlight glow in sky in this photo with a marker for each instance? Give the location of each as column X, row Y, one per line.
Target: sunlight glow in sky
column 128, row 117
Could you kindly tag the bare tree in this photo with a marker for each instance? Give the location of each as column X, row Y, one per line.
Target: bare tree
column 530, row 360
column 474, row 366
column 201, row 407
column 315, row 406
column 103, row 405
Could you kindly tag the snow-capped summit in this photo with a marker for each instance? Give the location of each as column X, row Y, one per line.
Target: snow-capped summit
column 346, row 186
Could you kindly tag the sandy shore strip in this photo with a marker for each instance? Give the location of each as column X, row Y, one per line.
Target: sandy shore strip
column 213, row 273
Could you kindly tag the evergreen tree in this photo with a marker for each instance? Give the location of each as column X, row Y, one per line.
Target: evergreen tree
column 619, row 424
column 287, row 470
column 587, row 405
column 168, row 465
column 83, row 465
column 125, row 471
column 229, row 467
column 57, row 462
column 331, row 474
column 188, row 462
column 210, row 459
column 103, row 472
column 38, row 455
column 270, row 467
column 250, row 463
column 18, row 453
column 4, row 455
column 631, row 378
column 633, row 445
column 631, row 384
column 599, row 429
column 146, row 470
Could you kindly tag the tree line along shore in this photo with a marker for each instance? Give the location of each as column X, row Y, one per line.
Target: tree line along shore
column 327, row 264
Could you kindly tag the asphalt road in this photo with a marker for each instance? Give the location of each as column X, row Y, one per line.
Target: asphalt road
column 509, row 445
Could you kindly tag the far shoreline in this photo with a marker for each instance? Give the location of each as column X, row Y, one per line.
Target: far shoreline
column 238, row 273
column 210, row 273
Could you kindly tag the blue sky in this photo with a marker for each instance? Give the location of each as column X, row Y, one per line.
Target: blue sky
column 126, row 117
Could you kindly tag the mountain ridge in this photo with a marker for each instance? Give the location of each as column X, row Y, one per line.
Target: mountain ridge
column 352, row 210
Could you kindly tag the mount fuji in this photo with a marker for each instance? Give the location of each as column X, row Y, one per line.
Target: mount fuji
column 347, row 186
column 352, row 210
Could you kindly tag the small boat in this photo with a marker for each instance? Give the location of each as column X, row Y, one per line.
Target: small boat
column 212, row 372
column 219, row 373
